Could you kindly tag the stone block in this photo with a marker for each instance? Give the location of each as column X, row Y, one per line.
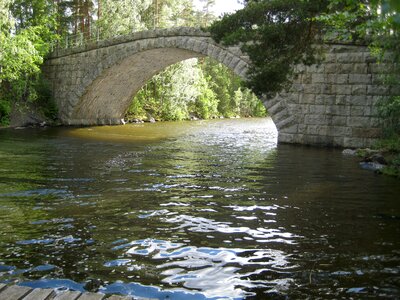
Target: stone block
column 345, row 68
column 290, row 129
column 235, row 61
column 275, row 108
column 340, row 100
column 369, row 58
column 360, row 78
column 325, row 99
column 281, row 114
column 340, row 131
column 300, row 68
column 298, row 88
column 358, row 111
column 359, row 121
column 286, row 137
column 367, row 132
column 359, row 90
column 244, row 73
column 316, row 140
column 353, row 142
column 315, row 69
column 357, row 100
column 329, row 58
column 287, row 121
column 338, row 78
column 318, row 78
column 240, row 67
column 317, row 109
column 196, row 45
column 332, row 68
column 220, row 54
column 306, row 78
column 342, row 89
column 338, row 141
column 338, row 121
column 360, row 68
column 354, row 57
column 228, row 59
column 318, row 130
column 328, row 89
column 292, row 98
column 338, row 110
column 380, row 90
column 307, row 98
column 307, row 88
column 312, row 119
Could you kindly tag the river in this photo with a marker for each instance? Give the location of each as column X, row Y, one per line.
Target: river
column 194, row 210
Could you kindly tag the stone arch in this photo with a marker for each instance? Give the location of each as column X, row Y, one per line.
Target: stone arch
column 94, row 84
column 332, row 103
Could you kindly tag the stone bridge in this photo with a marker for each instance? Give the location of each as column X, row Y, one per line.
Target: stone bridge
column 331, row 103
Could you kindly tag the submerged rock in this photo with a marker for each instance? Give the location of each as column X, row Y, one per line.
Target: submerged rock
column 372, row 166
column 350, row 152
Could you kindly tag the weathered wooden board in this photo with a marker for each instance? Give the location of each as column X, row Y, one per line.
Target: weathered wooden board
column 39, row 294
column 67, row 295
column 115, row 297
column 14, row 292
column 91, row 296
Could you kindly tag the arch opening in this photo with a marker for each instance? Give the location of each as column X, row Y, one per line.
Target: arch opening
column 197, row 88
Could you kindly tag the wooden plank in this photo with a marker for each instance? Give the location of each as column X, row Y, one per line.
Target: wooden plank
column 115, row 297
column 39, row 294
column 67, row 295
column 2, row 286
column 15, row 292
column 91, row 296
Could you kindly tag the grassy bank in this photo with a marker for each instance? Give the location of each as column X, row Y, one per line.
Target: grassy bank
column 390, row 149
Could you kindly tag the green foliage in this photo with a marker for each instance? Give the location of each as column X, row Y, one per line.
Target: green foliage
column 26, row 35
column 389, row 111
column 5, row 109
column 195, row 88
column 389, row 144
column 275, row 34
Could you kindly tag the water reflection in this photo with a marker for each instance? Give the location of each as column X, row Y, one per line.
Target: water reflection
column 193, row 210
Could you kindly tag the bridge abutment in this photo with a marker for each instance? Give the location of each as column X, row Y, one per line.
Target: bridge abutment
column 333, row 103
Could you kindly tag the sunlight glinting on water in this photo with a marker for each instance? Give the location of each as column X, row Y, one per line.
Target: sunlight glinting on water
column 193, row 210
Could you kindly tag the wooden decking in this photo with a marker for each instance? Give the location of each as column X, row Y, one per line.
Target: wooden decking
column 15, row 292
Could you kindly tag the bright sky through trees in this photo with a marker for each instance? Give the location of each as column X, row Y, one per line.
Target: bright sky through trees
column 221, row 6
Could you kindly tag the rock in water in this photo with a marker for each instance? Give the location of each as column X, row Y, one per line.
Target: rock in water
column 350, row 152
column 372, row 166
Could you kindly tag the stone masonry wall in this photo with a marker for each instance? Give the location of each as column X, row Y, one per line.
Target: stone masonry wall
column 333, row 102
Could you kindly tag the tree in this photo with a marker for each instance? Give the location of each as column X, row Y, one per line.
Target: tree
column 122, row 17
column 275, row 34
column 26, row 35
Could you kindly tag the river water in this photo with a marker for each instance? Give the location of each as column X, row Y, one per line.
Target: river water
column 194, row 210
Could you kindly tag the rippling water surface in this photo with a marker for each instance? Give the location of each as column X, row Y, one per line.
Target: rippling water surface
column 194, row 210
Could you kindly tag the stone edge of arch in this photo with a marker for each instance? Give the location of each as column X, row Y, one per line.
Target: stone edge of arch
column 140, row 35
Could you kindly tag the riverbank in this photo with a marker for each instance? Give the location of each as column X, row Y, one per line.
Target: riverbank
column 383, row 158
